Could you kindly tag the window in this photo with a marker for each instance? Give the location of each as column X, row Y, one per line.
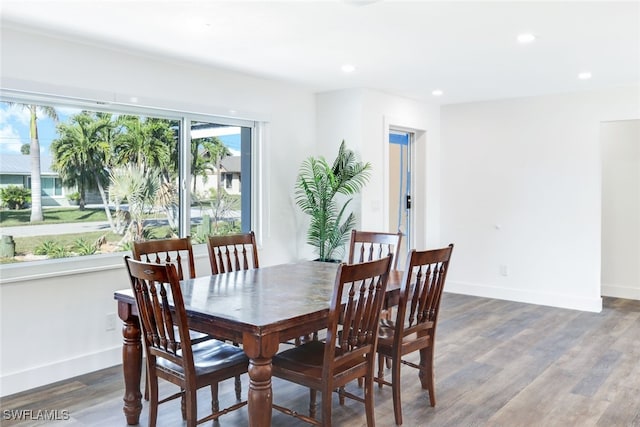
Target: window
column 121, row 168
column 51, row 187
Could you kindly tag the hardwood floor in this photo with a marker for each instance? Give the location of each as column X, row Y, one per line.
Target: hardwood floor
column 498, row 363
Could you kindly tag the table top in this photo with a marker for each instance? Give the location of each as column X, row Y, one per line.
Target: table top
column 262, row 299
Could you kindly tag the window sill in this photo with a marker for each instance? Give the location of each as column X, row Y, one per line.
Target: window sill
column 35, row 270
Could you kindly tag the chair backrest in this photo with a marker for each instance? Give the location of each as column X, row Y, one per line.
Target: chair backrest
column 232, row 252
column 155, row 287
column 167, row 251
column 421, row 291
column 370, row 245
column 354, row 314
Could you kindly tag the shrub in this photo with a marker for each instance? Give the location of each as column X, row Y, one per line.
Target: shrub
column 82, row 247
column 74, row 197
column 15, row 197
column 51, row 249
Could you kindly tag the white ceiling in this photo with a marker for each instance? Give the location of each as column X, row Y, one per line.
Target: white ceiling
column 466, row 49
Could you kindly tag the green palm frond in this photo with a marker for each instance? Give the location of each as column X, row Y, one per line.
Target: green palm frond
column 316, row 187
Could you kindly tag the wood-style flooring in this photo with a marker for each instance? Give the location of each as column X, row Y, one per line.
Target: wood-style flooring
column 498, row 363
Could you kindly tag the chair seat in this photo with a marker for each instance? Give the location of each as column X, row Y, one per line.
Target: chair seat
column 208, row 357
column 307, row 360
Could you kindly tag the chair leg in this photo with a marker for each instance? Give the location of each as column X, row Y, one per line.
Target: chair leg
column 146, row 388
column 430, row 376
column 326, row 406
column 368, row 400
column 386, row 315
column 192, row 407
column 238, row 387
column 215, row 403
column 183, row 405
column 153, row 400
column 380, row 369
column 238, row 384
column 312, row 402
column 395, row 386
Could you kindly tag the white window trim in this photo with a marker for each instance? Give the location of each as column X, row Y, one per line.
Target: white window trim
column 32, row 270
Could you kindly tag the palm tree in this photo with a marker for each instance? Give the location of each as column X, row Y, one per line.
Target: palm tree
column 141, row 189
column 34, row 152
column 81, row 154
column 206, row 154
column 145, row 143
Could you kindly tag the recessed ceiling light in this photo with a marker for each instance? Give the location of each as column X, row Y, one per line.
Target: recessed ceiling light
column 437, row 92
column 348, row 68
column 584, row 75
column 526, row 38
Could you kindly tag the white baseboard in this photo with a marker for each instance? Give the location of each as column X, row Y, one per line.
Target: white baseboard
column 551, row 300
column 57, row 371
column 618, row 291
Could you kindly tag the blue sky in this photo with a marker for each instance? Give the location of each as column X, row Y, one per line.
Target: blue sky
column 14, row 129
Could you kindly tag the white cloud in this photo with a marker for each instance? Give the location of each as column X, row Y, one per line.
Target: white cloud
column 10, row 141
column 14, row 113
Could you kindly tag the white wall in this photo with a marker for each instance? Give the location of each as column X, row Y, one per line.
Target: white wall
column 621, row 208
column 362, row 118
column 521, row 195
column 53, row 324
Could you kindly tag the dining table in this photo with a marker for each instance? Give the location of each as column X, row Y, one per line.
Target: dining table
column 258, row 308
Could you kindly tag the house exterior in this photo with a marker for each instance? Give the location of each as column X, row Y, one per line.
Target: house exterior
column 15, row 169
column 230, row 173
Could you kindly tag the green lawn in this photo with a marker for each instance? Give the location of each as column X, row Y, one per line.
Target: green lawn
column 10, row 218
column 25, row 246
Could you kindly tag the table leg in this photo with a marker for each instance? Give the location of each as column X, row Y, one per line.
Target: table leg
column 260, row 350
column 131, row 364
column 260, row 393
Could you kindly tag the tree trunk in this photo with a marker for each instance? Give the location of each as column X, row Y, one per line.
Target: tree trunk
column 36, row 182
column 105, row 203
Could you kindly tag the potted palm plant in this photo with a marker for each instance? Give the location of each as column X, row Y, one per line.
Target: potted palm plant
column 317, row 186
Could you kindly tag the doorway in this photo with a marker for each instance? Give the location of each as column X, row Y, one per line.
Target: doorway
column 400, row 160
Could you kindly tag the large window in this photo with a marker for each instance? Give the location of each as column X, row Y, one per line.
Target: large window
column 127, row 173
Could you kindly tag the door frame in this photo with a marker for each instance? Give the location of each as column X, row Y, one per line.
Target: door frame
column 417, row 146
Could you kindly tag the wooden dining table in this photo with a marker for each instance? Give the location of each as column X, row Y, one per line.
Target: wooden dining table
column 258, row 308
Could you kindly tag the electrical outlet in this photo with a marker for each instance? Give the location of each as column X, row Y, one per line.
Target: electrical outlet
column 110, row 322
column 504, row 270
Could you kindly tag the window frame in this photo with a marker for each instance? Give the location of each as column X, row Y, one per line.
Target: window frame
column 15, row 272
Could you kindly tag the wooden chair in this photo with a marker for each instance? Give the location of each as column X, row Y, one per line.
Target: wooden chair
column 370, row 245
column 178, row 252
column 232, row 252
column 415, row 326
column 168, row 251
column 349, row 349
column 170, row 353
